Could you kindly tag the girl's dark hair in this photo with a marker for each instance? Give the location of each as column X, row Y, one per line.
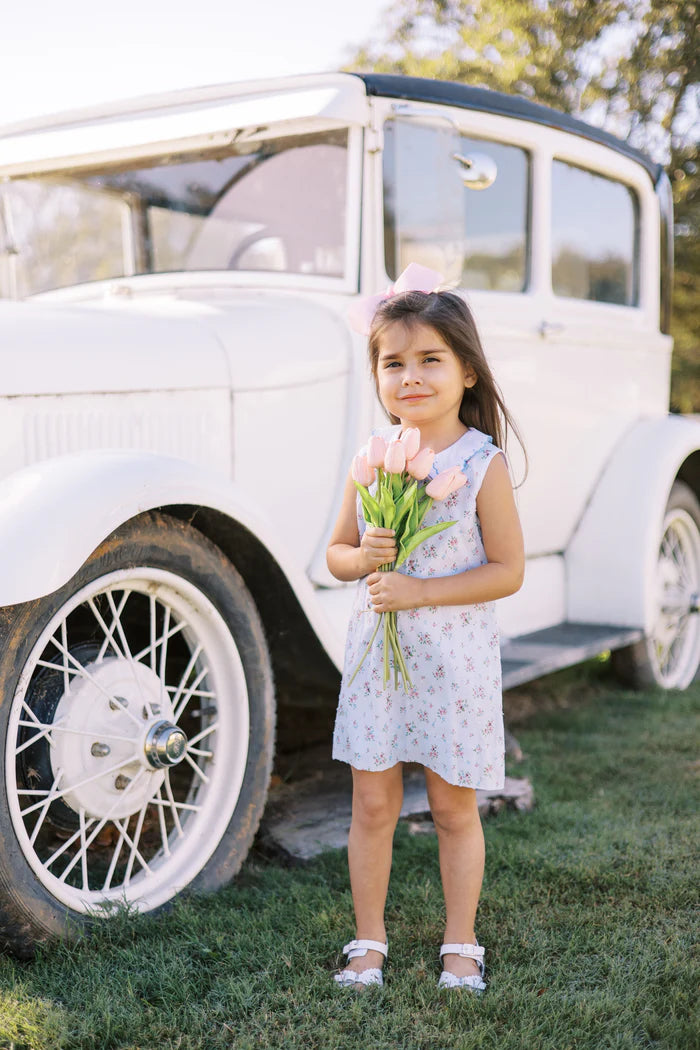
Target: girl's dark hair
column 482, row 405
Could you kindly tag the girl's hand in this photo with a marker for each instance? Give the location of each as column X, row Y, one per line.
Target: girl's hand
column 391, row 591
column 377, row 547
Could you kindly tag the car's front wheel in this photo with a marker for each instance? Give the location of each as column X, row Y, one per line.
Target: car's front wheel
column 137, row 713
column 670, row 655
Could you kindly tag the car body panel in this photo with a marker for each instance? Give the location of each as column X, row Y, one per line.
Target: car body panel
column 611, row 560
column 53, row 514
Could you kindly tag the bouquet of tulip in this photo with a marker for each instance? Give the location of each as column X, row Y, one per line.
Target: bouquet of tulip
column 400, row 504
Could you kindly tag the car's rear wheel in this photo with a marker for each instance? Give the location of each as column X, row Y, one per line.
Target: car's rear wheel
column 137, row 710
column 670, row 655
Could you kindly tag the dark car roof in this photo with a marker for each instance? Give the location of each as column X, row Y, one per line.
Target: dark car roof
column 444, row 92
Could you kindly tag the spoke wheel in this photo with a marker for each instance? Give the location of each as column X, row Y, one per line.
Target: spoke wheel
column 670, row 655
column 138, row 731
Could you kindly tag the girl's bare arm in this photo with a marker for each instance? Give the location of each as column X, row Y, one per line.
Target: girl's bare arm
column 350, row 558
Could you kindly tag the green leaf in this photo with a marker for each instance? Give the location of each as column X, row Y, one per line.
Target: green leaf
column 372, row 511
column 424, row 505
column 388, row 510
column 413, row 524
column 407, row 496
column 410, row 544
column 404, row 507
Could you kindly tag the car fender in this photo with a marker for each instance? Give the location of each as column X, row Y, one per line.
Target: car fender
column 612, row 557
column 54, row 513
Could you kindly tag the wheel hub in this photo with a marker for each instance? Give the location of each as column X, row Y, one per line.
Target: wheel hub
column 116, row 737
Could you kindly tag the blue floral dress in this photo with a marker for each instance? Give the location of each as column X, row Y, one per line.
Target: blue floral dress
column 452, row 719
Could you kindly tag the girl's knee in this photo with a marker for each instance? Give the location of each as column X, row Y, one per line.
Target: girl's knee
column 452, row 808
column 376, row 799
column 454, row 819
column 375, row 810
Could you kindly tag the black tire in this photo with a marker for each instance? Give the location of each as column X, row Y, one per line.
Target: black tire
column 637, row 666
column 29, row 912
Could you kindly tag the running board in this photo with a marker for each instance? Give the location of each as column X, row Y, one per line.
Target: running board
column 530, row 656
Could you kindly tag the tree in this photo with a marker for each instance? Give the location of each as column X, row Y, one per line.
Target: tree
column 630, row 66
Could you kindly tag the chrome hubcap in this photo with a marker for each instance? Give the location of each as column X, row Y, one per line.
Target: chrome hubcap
column 165, row 745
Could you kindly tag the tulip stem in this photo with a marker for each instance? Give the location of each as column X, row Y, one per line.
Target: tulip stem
column 386, row 649
column 399, row 661
column 369, row 646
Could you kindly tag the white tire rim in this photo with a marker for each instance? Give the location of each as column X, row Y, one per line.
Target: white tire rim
column 674, row 645
column 163, row 663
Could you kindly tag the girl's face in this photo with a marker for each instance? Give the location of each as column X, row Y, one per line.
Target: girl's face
column 420, row 378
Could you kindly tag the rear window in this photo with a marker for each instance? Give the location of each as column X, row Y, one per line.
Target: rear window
column 595, row 235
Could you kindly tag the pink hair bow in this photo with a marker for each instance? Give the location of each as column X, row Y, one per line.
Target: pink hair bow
column 415, row 278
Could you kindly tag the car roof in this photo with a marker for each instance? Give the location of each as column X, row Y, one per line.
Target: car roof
column 341, row 101
column 466, row 96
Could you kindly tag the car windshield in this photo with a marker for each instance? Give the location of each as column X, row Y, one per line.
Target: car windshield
column 277, row 205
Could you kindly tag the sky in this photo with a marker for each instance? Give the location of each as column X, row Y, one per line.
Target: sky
column 59, row 54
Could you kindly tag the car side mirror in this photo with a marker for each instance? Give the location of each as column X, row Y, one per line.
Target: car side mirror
column 478, row 171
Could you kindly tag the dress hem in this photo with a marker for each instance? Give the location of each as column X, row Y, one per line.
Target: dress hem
column 381, row 769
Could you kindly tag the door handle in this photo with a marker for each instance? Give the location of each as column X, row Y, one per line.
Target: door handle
column 546, row 328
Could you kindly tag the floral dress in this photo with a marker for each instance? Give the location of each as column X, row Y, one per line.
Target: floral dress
column 452, row 719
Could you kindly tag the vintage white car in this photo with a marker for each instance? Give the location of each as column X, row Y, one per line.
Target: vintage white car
column 180, row 397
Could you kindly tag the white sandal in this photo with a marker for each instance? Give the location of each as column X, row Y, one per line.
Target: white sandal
column 373, row 975
column 473, row 981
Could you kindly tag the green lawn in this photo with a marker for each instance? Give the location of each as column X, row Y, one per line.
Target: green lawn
column 586, row 915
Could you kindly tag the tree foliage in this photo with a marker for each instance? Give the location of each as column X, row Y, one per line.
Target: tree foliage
column 630, row 66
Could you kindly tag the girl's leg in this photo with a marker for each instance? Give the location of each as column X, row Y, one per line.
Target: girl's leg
column 376, row 804
column 461, row 844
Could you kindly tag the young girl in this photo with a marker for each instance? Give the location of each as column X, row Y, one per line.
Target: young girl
column 431, row 373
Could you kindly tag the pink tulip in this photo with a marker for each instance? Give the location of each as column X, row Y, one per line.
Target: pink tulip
column 362, row 472
column 376, row 449
column 395, row 458
column 446, row 482
column 420, row 466
column 410, row 439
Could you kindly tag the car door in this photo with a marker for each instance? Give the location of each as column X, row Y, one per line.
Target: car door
column 558, row 269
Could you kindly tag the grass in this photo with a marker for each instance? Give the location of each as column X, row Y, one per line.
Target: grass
column 586, row 914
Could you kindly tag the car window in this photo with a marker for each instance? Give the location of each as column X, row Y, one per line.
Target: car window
column 594, row 236
column 277, row 205
column 476, row 237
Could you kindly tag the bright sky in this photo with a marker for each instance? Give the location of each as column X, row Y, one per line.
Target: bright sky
column 58, row 54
